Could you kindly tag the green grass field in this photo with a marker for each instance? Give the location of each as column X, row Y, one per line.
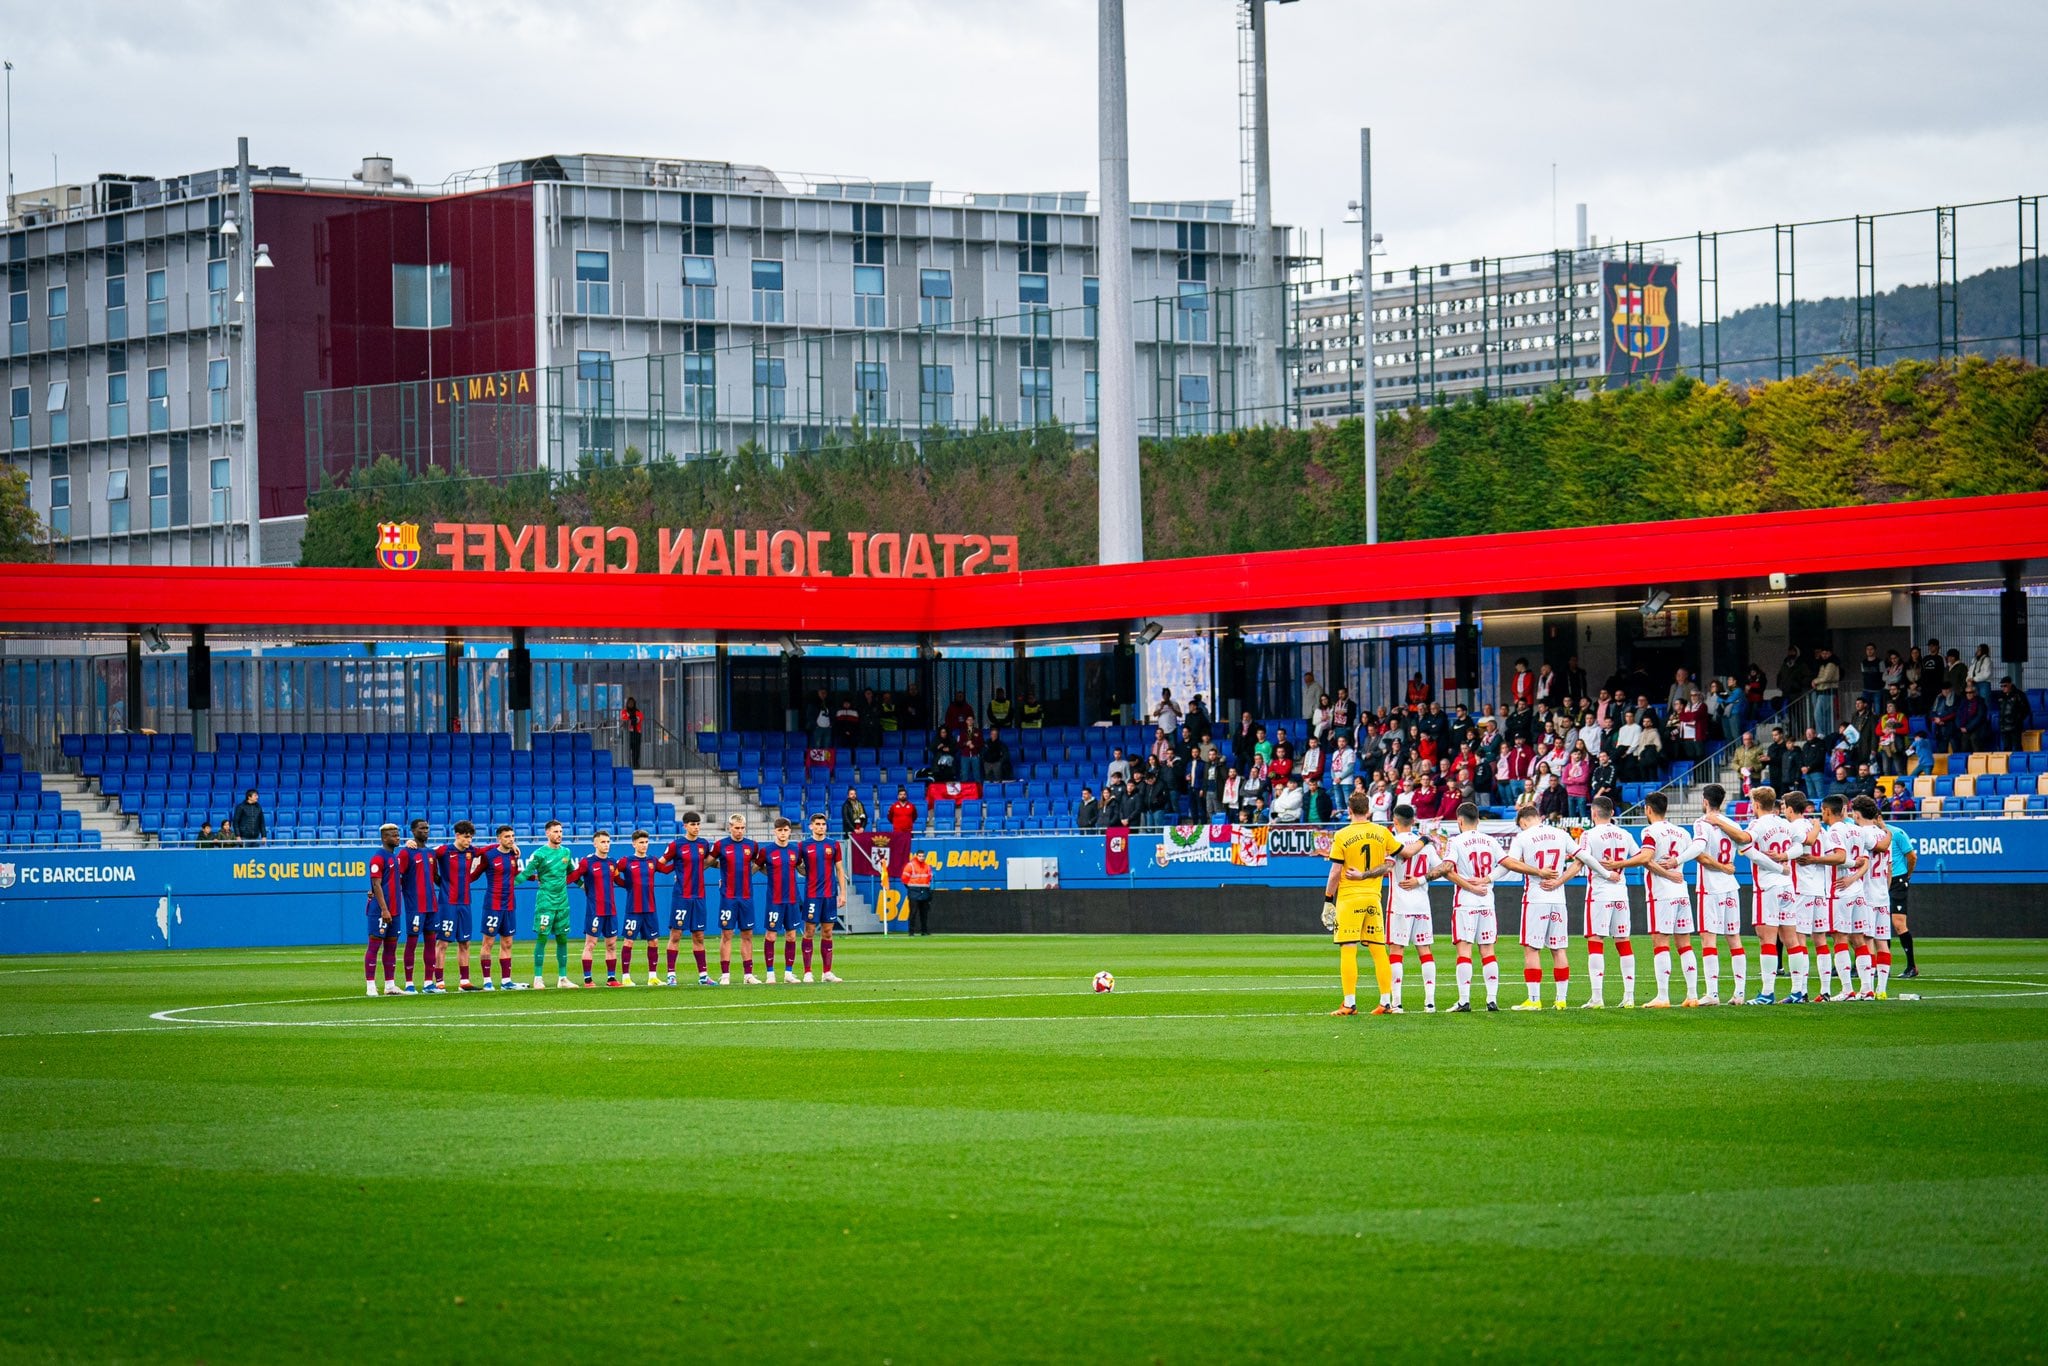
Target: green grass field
column 964, row 1155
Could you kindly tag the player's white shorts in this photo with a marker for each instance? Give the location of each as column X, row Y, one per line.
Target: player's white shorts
column 1409, row 927
column 1671, row 915
column 1813, row 915
column 1607, row 919
column 1478, row 925
column 1774, row 906
column 1543, row 925
column 1881, row 916
column 1852, row 915
column 1720, row 913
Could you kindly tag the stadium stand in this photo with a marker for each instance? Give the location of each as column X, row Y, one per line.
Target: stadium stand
column 30, row 815
column 342, row 787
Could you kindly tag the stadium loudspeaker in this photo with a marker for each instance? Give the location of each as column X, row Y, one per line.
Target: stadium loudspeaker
column 199, row 676
column 1465, row 655
column 519, row 682
column 2012, row 625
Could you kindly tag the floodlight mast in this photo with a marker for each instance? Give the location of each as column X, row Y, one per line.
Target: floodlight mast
column 1119, row 506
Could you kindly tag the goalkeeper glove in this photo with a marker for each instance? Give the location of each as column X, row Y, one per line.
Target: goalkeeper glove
column 1329, row 914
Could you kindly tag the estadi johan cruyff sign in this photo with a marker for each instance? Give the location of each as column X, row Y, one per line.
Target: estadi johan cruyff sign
column 691, row 550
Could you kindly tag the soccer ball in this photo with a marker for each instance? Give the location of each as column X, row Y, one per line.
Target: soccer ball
column 1105, row 981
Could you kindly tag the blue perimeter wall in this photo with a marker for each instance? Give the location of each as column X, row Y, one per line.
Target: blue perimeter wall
column 95, row 901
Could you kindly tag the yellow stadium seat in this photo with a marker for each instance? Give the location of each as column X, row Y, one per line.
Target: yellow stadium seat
column 1940, row 768
column 1965, row 785
column 1923, row 788
column 2030, row 741
column 2041, row 784
column 1997, row 763
column 1978, row 762
column 1931, row 806
column 2015, row 805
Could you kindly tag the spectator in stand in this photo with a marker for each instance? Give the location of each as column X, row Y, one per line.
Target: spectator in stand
column 1827, row 682
column 1521, row 722
column 1088, row 815
column 1975, row 722
column 999, row 709
column 1465, row 766
column 1522, row 684
column 911, row 708
column 2015, row 716
column 1200, row 727
column 1981, row 669
column 1281, row 765
column 1647, row 753
column 1691, row 719
column 1781, row 761
column 1748, row 757
column 902, row 814
column 821, row 720
column 1893, row 741
column 1872, row 669
column 853, row 816
column 1626, row 739
column 1604, row 782
column 1194, row 781
column 995, row 758
column 1578, row 780
column 1681, row 688
column 1418, row 691
column 1575, row 679
column 1119, row 771
column 1255, row 787
column 250, row 827
column 945, row 760
column 1212, row 781
column 1814, row 754
column 1312, row 761
column 846, row 721
column 1721, row 710
column 224, row 833
column 870, row 719
column 631, row 722
column 1842, row 785
column 1342, row 714
column 1262, row 747
column 1319, row 719
column 1381, row 795
column 1794, row 678
column 1520, row 767
column 1310, row 691
column 1315, row 804
column 1549, row 798
column 970, row 752
column 1241, row 741
column 1549, row 687
column 958, row 713
column 1167, row 713
column 1892, row 672
column 1754, row 686
column 1956, row 673
column 1232, row 785
column 1941, row 719
column 1115, row 804
column 205, row 839
column 1343, row 764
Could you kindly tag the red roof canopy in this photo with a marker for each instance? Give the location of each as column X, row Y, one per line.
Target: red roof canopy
column 1964, row 542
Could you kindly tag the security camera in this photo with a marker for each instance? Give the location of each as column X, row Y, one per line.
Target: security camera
column 1778, row 583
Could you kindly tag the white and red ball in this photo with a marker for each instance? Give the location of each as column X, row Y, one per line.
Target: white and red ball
column 1105, row 981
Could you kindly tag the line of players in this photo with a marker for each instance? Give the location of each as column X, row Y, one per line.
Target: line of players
column 434, row 892
column 1822, row 899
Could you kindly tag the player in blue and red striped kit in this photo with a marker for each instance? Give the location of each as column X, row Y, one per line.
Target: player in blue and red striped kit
column 501, row 909
column 416, row 882
column 641, row 878
column 595, row 873
column 688, row 858
column 785, row 898
column 824, row 893
column 455, row 867
column 737, row 857
column 380, row 910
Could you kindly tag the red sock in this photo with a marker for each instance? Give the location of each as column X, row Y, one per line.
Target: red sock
column 1464, row 960
column 1594, row 948
column 700, row 960
column 390, row 959
column 789, row 954
column 1711, row 951
column 1561, row 974
column 505, row 967
column 586, row 965
column 807, row 955
column 827, row 952
column 1623, row 949
column 483, row 966
column 370, row 962
column 1424, row 956
column 746, row 965
column 653, row 949
column 1393, row 955
column 411, row 947
column 611, row 966
column 724, row 964
column 671, row 958
column 1533, row 976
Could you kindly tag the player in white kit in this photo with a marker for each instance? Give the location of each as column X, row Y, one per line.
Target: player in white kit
column 1543, row 855
column 1666, row 851
column 1408, row 920
column 1836, row 854
column 1878, row 891
column 1605, row 849
column 1855, row 911
column 1470, row 860
column 1809, row 895
column 1720, row 895
column 1770, row 848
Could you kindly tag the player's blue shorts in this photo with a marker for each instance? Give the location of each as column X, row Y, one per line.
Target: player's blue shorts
column 643, row 927
column 502, row 923
column 453, row 923
column 422, row 924
column 781, row 917
column 381, row 928
column 734, row 914
column 821, row 910
column 686, row 913
column 602, row 926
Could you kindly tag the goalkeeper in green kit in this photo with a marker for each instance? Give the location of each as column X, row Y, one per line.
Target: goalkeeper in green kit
column 550, row 866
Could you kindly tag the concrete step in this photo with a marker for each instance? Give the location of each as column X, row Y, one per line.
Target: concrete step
column 97, row 811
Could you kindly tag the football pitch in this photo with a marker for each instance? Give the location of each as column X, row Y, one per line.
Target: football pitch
column 962, row 1154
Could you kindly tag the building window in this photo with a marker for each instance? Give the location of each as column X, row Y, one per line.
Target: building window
column 1031, row 239
column 700, row 288
column 17, row 413
column 700, row 380
column 117, row 289
column 871, row 391
column 56, row 404
column 1090, row 398
column 767, row 291
column 160, row 399
column 159, row 497
column 1091, row 305
column 117, row 405
column 935, row 396
column 1194, row 404
column 60, row 323
column 422, row 297
column 870, row 306
column 117, row 502
column 1034, row 393
column 935, row 298
column 1191, row 312
column 60, row 507
column 867, row 234
column 216, row 293
column 17, row 311
column 218, row 485
column 771, row 389
column 594, row 400
column 217, row 390
column 157, row 312
column 593, row 282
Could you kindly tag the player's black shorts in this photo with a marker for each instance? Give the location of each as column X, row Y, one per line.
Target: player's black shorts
column 1899, row 890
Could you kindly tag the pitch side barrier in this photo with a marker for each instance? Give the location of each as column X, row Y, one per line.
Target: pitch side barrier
column 1975, row 878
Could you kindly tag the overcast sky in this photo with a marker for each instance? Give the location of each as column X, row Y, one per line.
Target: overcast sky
column 1665, row 118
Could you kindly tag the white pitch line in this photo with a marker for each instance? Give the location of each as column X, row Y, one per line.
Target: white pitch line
column 675, row 1024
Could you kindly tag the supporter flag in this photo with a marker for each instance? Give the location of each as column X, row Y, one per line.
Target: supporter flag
column 827, row 759
column 934, row 793
column 1116, row 851
column 880, row 853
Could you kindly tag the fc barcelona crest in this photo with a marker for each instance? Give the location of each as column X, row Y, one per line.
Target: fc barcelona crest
column 1641, row 324
column 398, row 545
column 1640, row 310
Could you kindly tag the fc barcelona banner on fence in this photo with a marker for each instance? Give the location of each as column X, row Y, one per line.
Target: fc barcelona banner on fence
column 1639, row 320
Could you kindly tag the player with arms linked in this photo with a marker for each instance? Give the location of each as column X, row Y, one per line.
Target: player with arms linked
column 422, row 914
column 501, row 908
column 785, row 898
column 550, row 866
column 824, row 894
column 640, row 876
column 455, row 868
column 594, row 872
column 380, row 910
column 1360, row 859
column 737, row 857
column 688, row 858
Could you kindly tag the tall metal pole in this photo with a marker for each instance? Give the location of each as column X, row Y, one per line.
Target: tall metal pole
column 1265, row 376
column 1120, row 521
column 245, row 215
column 10, row 142
column 1370, row 406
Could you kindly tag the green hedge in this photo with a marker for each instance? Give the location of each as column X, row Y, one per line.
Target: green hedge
column 1831, row 438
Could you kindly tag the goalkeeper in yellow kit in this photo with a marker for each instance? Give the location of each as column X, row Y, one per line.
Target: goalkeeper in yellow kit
column 1359, row 860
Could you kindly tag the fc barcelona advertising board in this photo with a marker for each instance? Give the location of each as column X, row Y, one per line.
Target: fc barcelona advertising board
column 1639, row 320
